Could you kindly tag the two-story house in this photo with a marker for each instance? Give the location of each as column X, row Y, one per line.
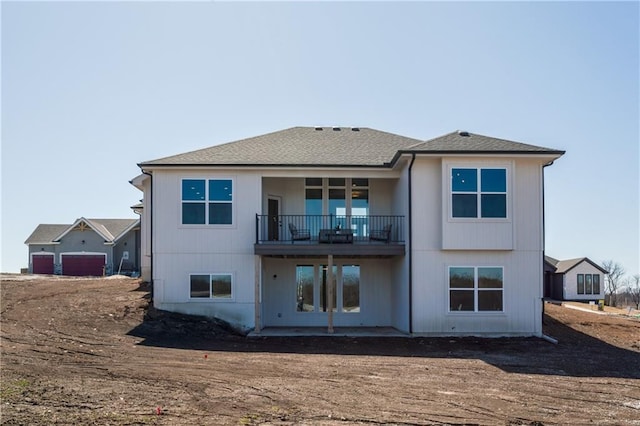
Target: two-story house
column 337, row 227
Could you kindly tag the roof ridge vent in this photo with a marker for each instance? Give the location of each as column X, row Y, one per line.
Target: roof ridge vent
column 355, row 129
column 318, row 128
column 337, row 129
column 463, row 133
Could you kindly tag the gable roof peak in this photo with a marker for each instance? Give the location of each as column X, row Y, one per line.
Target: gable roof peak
column 463, row 141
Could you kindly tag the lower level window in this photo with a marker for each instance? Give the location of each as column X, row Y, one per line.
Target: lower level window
column 475, row 289
column 211, row 286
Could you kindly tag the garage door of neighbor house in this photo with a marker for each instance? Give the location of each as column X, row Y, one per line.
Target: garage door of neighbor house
column 83, row 264
column 42, row 263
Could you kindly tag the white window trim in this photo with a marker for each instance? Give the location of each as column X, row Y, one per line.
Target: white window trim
column 475, row 312
column 478, row 165
column 206, row 201
column 212, row 299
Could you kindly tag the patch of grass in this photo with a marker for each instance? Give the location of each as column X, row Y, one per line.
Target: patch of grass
column 13, row 389
column 249, row 419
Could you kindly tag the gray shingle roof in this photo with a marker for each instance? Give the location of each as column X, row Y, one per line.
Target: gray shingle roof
column 324, row 146
column 110, row 228
column 563, row 266
column 462, row 142
column 303, row 146
column 113, row 227
column 45, row 233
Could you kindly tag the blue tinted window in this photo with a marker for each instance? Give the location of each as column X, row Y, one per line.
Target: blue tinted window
column 494, row 205
column 192, row 189
column 493, row 180
column 464, row 180
column 220, row 213
column 193, row 213
column 220, row 190
column 464, row 205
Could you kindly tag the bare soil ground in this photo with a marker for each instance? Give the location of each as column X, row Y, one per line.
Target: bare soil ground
column 90, row 351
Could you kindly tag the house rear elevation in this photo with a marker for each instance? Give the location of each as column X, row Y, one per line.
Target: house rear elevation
column 336, row 227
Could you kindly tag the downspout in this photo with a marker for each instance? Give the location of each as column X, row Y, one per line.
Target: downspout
column 544, row 234
column 150, row 229
column 413, row 158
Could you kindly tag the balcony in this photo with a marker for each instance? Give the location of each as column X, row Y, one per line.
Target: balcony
column 321, row 235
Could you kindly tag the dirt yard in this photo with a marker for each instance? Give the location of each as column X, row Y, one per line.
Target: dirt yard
column 88, row 351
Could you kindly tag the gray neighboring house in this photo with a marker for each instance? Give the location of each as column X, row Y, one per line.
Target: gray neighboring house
column 573, row 279
column 88, row 247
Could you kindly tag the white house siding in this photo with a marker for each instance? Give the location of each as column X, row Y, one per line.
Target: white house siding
column 400, row 265
column 145, row 232
column 181, row 250
column 514, row 244
column 570, row 285
column 279, row 294
column 521, row 295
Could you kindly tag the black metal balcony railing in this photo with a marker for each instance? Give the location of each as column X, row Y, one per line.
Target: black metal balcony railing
column 314, row 228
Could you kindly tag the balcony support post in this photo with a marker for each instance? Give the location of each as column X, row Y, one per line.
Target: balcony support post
column 330, row 290
column 257, row 294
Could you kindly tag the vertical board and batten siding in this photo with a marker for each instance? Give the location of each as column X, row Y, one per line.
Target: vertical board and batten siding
column 400, row 265
column 181, row 250
column 521, row 300
column 570, row 285
column 279, row 294
column 515, row 245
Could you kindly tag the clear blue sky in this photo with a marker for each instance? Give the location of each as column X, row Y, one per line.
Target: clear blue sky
column 91, row 89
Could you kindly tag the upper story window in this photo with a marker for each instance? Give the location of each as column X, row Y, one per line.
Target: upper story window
column 479, row 193
column 207, row 201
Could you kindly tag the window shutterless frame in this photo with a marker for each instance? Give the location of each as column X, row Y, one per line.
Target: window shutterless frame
column 475, row 289
column 211, row 287
column 480, row 193
column 207, row 201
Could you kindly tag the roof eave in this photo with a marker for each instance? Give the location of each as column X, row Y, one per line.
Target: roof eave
column 126, row 231
column 148, row 166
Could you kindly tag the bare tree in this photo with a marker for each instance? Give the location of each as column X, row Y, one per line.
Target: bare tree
column 613, row 279
column 634, row 289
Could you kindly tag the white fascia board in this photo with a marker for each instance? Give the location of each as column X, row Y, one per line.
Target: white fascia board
column 139, row 181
